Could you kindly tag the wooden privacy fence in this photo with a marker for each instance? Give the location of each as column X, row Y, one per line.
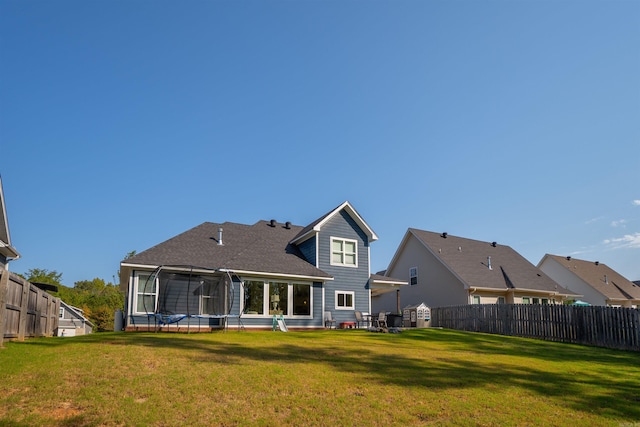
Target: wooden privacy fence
column 610, row 327
column 25, row 310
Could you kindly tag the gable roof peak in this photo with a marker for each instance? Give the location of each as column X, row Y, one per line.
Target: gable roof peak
column 317, row 225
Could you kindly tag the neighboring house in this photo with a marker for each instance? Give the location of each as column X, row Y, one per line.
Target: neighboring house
column 235, row 274
column 600, row 284
column 7, row 251
column 72, row 322
column 444, row 270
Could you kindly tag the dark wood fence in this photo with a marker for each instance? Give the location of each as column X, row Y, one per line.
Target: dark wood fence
column 609, row 327
column 25, row 310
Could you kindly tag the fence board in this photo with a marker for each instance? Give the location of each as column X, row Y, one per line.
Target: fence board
column 610, row 327
column 25, row 310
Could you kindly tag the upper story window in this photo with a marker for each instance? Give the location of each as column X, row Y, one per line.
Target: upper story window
column 413, row 276
column 344, row 252
column 61, row 315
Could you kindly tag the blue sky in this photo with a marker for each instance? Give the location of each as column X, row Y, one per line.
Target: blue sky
column 124, row 123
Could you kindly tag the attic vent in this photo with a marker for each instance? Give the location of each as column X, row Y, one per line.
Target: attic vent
column 272, row 223
column 287, row 225
column 494, row 244
column 444, row 235
column 568, row 258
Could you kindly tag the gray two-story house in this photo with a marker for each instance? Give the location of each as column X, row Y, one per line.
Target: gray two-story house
column 227, row 274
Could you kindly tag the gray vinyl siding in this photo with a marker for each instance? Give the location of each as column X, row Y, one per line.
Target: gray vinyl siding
column 308, row 249
column 347, row 279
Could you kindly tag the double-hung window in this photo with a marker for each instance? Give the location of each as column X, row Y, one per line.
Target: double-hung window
column 146, row 292
column 345, row 300
column 413, row 276
column 344, row 252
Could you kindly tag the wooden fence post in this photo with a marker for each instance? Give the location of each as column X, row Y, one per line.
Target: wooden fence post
column 4, row 288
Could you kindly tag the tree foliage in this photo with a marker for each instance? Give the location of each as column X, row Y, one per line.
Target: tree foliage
column 97, row 299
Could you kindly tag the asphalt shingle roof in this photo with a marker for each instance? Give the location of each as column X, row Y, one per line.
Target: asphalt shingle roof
column 469, row 260
column 257, row 248
column 594, row 274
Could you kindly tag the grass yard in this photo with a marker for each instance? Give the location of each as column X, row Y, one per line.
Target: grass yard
column 353, row 377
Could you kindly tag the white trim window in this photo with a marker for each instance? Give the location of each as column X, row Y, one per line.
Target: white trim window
column 267, row 298
column 61, row 313
column 146, row 293
column 475, row 299
column 345, row 300
column 413, row 276
column 344, row 252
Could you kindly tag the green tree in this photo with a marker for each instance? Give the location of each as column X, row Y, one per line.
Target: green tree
column 42, row 275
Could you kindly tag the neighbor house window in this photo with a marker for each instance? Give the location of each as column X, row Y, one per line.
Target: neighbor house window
column 146, row 293
column 500, row 300
column 526, row 300
column 413, row 276
column 62, row 312
column 476, row 299
column 280, row 298
column 344, row 252
column 345, row 300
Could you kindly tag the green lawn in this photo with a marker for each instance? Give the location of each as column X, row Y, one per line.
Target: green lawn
column 353, row 377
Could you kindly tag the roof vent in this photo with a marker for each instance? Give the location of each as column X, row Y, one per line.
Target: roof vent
column 272, row 223
column 444, row 235
column 489, row 263
column 494, row 244
column 287, row 225
column 597, row 262
column 568, row 258
column 459, row 248
column 606, row 279
column 220, row 236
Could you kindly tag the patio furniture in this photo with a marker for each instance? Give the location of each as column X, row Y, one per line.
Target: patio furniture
column 328, row 320
column 361, row 319
column 381, row 321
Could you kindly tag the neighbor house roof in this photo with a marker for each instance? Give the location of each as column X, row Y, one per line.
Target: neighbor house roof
column 75, row 311
column 600, row 277
column 261, row 248
column 486, row 265
column 5, row 238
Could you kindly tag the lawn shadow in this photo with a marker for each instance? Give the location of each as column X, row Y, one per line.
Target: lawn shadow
column 413, row 359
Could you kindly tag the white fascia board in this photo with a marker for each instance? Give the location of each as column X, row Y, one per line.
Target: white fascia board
column 274, row 275
column 388, row 282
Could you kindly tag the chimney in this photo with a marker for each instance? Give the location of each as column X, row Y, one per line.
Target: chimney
column 220, row 236
column 489, row 263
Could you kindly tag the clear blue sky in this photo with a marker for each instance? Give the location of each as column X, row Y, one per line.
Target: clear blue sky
column 124, row 123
